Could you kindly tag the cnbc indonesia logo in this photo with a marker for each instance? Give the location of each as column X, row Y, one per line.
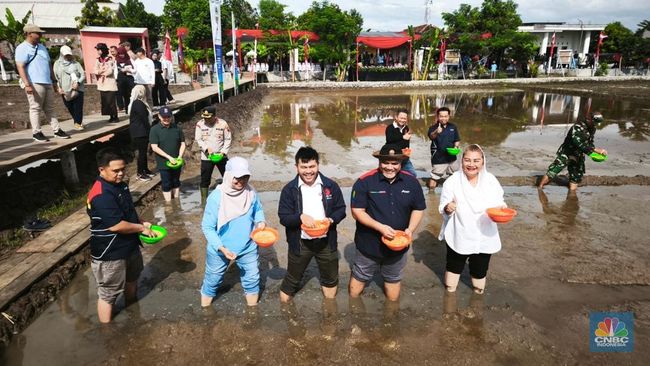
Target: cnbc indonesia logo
column 611, row 333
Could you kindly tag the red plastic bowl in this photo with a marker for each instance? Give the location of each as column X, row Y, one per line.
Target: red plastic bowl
column 501, row 215
column 265, row 237
column 319, row 230
column 399, row 242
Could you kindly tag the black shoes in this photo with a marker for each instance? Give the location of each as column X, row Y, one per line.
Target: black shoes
column 39, row 137
column 61, row 134
column 35, row 224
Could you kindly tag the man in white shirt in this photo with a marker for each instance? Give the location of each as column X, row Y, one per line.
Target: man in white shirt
column 307, row 199
column 144, row 73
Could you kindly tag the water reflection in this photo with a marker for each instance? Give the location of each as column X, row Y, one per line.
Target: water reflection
column 349, row 118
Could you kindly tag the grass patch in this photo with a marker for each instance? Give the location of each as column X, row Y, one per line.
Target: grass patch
column 68, row 203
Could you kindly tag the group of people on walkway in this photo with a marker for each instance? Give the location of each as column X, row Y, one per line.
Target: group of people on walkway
column 116, row 71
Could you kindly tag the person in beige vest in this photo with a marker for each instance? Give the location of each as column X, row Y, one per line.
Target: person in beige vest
column 106, row 83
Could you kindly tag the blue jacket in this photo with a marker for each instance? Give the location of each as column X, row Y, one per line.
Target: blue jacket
column 290, row 209
column 234, row 235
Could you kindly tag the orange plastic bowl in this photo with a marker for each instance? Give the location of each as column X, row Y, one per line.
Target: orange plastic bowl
column 319, row 230
column 265, row 237
column 406, row 151
column 399, row 242
column 501, row 215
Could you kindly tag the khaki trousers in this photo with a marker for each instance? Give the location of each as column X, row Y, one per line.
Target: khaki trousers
column 42, row 100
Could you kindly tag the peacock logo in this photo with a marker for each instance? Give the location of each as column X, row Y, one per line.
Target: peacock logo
column 611, row 327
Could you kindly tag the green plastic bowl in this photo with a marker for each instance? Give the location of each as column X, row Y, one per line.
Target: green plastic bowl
column 177, row 166
column 215, row 158
column 453, row 151
column 160, row 232
column 597, row 157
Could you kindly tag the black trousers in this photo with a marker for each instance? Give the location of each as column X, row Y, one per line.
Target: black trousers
column 158, row 92
column 140, row 144
column 478, row 263
column 76, row 108
column 124, row 86
column 168, row 93
column 207, row 167
column 326, row 259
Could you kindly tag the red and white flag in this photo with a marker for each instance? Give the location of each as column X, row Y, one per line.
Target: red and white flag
column 168, row 47
column 552, row 46
column 601, row 38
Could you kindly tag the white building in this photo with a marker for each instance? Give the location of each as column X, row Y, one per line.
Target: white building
column 575, row 37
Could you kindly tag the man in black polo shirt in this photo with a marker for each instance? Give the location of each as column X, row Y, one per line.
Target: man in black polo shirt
column 383, row 201
column 114, row 228
column 398, row 136
column 443, row 135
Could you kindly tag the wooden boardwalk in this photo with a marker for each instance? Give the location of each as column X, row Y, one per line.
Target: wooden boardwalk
column 34, row 260
column 18, row 148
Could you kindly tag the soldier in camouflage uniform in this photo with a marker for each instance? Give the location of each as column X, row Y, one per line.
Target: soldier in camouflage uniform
column 571, row 154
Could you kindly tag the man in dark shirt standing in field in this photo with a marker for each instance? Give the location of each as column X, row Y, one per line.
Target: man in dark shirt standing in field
column 383, row 200
column 114, row 228
column 168, row 142
column 398, row 136
column 443, row 135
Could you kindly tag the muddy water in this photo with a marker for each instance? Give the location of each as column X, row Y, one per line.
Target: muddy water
column 520, row 130
column 563, row 257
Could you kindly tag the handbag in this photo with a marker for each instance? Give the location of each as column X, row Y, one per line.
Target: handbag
column 72, row 94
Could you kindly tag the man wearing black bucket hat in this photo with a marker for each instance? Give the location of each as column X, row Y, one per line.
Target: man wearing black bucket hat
column 384, row 200
column 571, row 154
column 214, row 138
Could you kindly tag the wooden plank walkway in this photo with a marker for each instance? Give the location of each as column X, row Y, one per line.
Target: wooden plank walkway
column 18, row 148
column 36, row 258
column 20, row 271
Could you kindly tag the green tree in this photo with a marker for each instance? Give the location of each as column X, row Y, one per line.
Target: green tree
column 623, row 41
column 273, row 16
column 11, row 31
column 337, row 30
column 92, row 15
column 195, row 15
column 643, row 26
column 134, row 15
column 489, row 30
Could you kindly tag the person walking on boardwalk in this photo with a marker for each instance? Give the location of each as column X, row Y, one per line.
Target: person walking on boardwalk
column 71, row 77
column 231, row 213
column 471, row 236
column 571, row 154
column 33, row 65
column 214, row 137
column 145, row 73
column 384, row 200
column 140, row 120
column 310, row 197
column 114, row 228
column 443, row 135
column 125, row 81
column 398, row 135
column 106, row 83
column 168, row 142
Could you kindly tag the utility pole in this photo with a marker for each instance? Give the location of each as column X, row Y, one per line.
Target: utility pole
column 427, row 10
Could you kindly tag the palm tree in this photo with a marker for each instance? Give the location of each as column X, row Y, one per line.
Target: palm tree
column 12, row 30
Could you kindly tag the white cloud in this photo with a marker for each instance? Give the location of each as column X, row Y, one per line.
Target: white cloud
column 396, row 15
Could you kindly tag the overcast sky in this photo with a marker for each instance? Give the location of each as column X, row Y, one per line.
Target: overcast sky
column 395, row 15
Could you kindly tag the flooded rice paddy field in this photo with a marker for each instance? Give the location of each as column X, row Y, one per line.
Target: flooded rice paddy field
column 563, row 257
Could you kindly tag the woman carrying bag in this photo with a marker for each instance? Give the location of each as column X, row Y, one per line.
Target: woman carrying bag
column 106, row 83
column 140, row 119
column 71, row 77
